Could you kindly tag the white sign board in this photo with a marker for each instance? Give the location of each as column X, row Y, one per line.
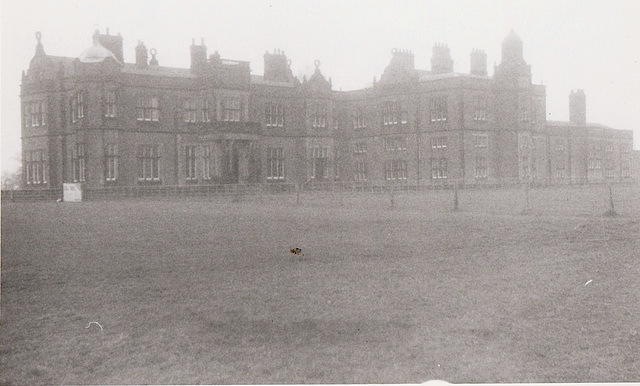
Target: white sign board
column 71, row 192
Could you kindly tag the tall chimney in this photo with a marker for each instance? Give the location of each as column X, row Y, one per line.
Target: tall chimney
column 141, row 55
column 441, row 62
column 478, row 62
column 578, row 107
column 198, row 56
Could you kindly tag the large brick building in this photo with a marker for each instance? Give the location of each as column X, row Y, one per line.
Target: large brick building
column 98, row 120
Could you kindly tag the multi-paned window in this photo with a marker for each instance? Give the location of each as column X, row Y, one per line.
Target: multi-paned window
column 78, row 163
column 360, row 171
column 148, row 163
column 35, row 113
column 438, row 168
column 438, row 142
column 360, row 147
column 358, row 119
column 625, row 147
column 609, row 170
column 395, row 143
column 110, row 103
column 274, row 115
column 559, row 144
column 525, row 166
column 481, row 140
column 625, row 169
column 111, row 162
column 190, row 112
column 481, row 167
column 594, row 164
column 77, row 106
column 319, row 115
column 394, row 113
column 560, row 171
column 190, row 163
column 438, row 109
column 204, row 112
column 148, row 108
column 480, row 109
column 524, row 113
column 211, row 165
column 275, row 162
column 395, row 170
column 608, row 147
column 319, row 164
column 231, row 109
column 36, row 167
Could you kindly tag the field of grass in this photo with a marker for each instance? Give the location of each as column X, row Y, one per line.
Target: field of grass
column 209, row 292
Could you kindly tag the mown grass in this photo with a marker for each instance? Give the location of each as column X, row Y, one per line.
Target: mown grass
column 209, row 292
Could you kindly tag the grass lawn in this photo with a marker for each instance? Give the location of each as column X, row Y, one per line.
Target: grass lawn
column 209, row 291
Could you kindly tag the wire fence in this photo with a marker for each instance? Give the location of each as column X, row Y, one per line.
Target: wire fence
column 504, row 198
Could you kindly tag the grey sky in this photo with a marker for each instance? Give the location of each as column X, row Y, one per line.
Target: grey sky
column 593, row 45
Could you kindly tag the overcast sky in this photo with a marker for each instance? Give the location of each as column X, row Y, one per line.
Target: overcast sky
column 593, row 45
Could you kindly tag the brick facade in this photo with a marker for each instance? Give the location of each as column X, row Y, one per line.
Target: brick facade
column 97, row 120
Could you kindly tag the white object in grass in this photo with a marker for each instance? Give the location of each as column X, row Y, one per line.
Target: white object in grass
column 90, row 323
column 588, row 282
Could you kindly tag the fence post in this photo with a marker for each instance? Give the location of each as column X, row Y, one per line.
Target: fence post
column 611, row 212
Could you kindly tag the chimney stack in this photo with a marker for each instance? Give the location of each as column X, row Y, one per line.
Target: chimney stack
column 441, row 62
column 578, row 107
column 478, row 62
column 141, row 55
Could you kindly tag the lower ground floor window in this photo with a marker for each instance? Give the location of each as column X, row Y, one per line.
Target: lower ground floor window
column 36, row 167
column 275, row 163
column 438, row 168
column 148, row 163
column 396, row 170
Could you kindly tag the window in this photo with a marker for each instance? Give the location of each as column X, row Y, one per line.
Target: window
column 231, row 108
column 36, row 167
column 439, row 143
column 626, row 167
column 608, row 147
column 480, row 110
column 275, row 162
column 393, row 113
column 358, row 119
column 319, row 164
column 524, row 114
column 77, row 107
column 624, row 147
column 360, row 171
column 35, row 113
column 525, row 167
column 395, row 143
column 205, row 111
column 395, row 170
column 481, row 167
column 211, row 169
column 438, row 168
column 148, row 163
column 360, row 147
column 609, row 170
column 274, row 115
column 319, row 115
column 480, row 141
column 148, row 109
column 560, row 171
column 110, row 104
column 190, row 162
column 438, row 109
column 111, row 162
column 78, row 163
column 560, row 145
column 189, row 113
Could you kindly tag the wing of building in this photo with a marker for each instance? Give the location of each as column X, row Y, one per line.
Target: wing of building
column 98, row 120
